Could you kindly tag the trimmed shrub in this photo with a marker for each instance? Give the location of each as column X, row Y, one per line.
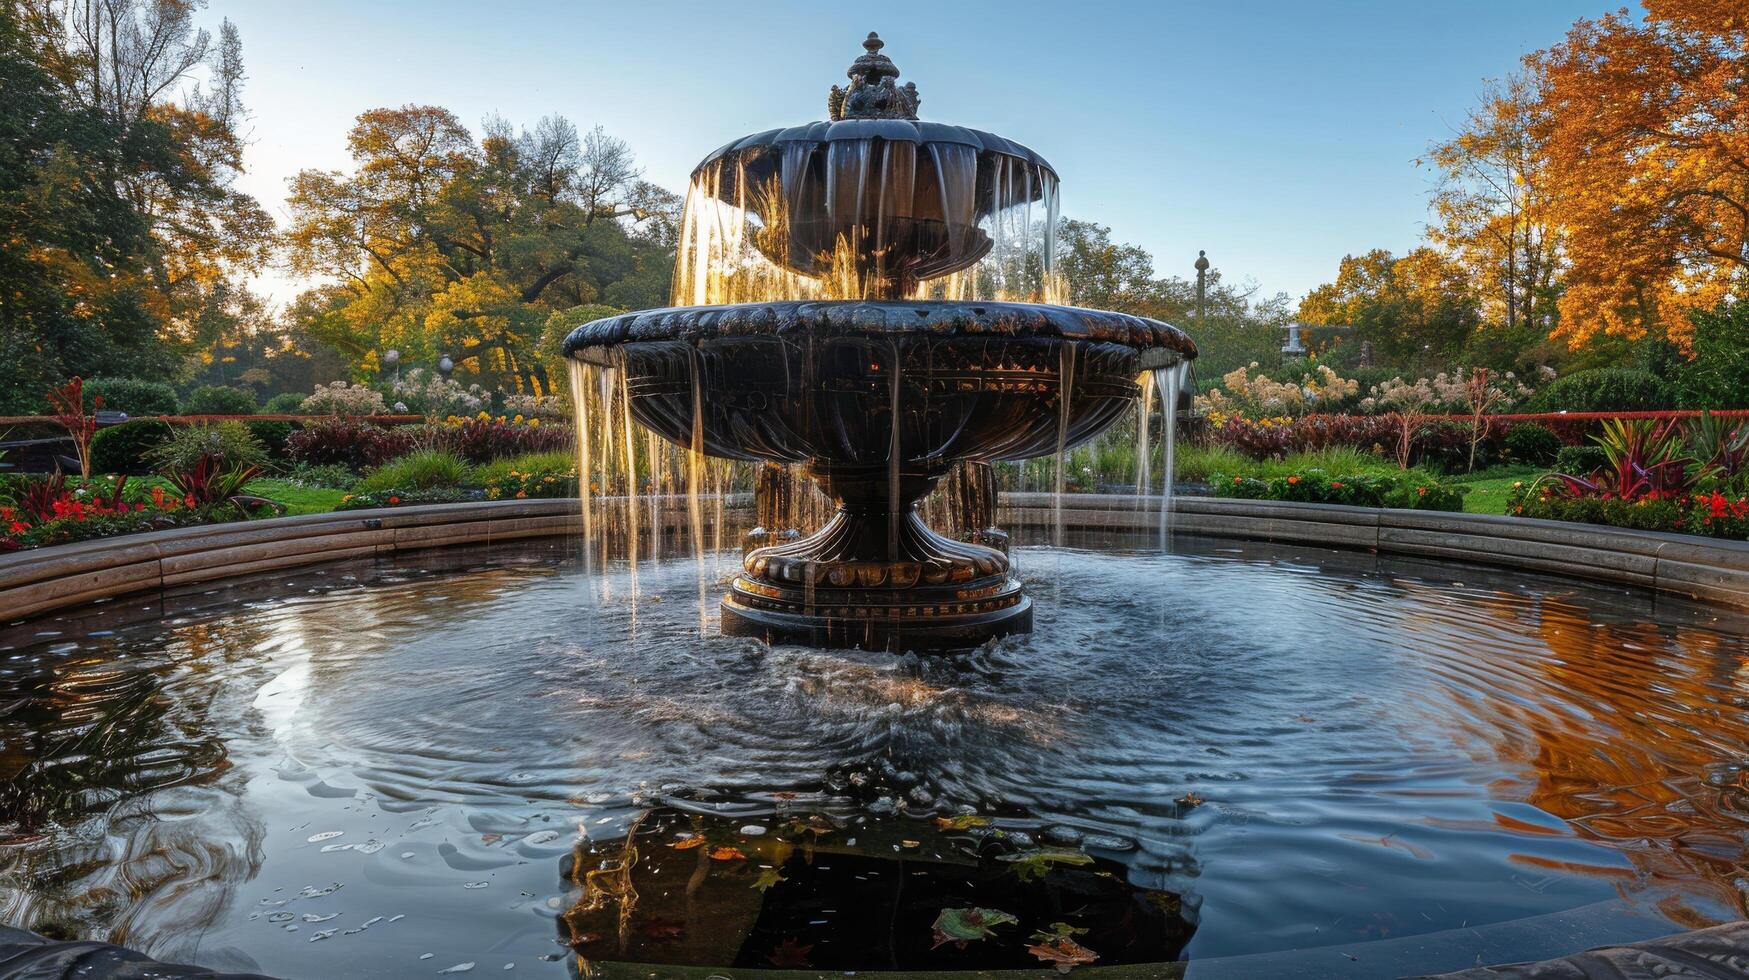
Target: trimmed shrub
column 220, row 400
column 132, row 395
column 1603, row 390
column 126, row 448
column 284, row 403
column 422, row 469
column 272, row 435
column 1535, row 444
column 1580, row 460
column 229, row 442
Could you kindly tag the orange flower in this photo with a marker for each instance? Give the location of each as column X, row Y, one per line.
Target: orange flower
column 394, row 500
column 1292, row 480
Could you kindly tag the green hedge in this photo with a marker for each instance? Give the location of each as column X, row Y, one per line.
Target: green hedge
column 132, row 395
column 1604, row 390
column 284, row 403
column 125, row 448
column 1535, row 444
column 220, row 400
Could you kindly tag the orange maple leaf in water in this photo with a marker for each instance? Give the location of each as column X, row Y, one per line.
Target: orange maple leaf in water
column 791, row 955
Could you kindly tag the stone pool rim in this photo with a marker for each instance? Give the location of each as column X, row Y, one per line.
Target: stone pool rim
column 45, row 580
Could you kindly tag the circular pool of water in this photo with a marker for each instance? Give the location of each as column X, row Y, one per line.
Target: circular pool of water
column 1301, row 756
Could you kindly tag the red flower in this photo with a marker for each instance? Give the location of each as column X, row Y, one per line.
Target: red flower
column 1716, row 504
column 188, row 500
column 394, row 500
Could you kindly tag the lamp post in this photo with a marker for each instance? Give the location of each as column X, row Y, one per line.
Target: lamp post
column 392, row 361
column 1202, row 271
column 445, row 366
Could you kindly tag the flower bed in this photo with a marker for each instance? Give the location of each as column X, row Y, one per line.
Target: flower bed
column 402, row 498
column 54, row 511
column 1314, row 487
column 1713, row 515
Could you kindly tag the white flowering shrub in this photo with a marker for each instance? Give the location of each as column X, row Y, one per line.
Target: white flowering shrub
column 347, row 401
column 549, row 407
column 432, row 395
column 1243, row 396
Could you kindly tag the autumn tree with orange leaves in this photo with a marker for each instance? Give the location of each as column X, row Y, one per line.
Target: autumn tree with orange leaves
column 1645, row 141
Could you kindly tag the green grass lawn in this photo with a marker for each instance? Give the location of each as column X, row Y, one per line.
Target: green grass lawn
column 296, row 498
column 1488, row 488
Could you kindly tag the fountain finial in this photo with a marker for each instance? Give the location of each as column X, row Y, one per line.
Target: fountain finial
column 872, row 93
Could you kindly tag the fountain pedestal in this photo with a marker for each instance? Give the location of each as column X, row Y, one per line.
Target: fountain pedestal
column 876, row 576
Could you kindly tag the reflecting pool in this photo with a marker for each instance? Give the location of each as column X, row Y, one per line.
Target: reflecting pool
column 1248, row 757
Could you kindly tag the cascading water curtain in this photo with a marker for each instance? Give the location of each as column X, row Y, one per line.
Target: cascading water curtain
column 747, row 223
column 750, row 222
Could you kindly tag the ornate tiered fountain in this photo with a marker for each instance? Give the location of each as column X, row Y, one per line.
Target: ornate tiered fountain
column 843, row 303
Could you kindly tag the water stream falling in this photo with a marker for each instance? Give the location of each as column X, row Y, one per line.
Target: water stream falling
column 1170, row 382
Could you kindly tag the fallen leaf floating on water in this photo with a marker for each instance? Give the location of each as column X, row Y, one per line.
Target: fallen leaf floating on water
column 1058, row 930
column 965, row 821
column 458, row 968
column 727, row 854
column 1192, row 798
column 1065, row 954
column 662, row 930
column 324, row 835
column 687, row 843
column 791, row 955
column 961, row 926
column 1032, row 865
column 1389, row 840
column 767, row 878
column 491, row 838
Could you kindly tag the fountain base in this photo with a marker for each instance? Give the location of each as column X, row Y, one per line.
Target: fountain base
column 867, row 581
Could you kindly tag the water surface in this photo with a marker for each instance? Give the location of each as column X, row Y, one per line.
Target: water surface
column 398, row 768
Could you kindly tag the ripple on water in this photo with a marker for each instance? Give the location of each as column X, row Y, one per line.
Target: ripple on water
column 1311, row 755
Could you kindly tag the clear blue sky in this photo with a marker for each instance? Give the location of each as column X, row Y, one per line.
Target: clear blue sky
column 1277, row 135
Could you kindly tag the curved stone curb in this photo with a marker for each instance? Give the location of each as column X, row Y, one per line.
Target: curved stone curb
column 35, row 582
column 1699, row 568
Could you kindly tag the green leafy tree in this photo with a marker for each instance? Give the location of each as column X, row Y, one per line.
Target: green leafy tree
column 118, row 218
column 437, row 244
column 1415, row 310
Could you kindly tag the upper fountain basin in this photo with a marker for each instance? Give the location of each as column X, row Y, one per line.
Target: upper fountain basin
column 898, row 201
column 818, row 382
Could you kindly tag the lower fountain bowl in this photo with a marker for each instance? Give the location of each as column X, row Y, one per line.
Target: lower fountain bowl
column 878, row 399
